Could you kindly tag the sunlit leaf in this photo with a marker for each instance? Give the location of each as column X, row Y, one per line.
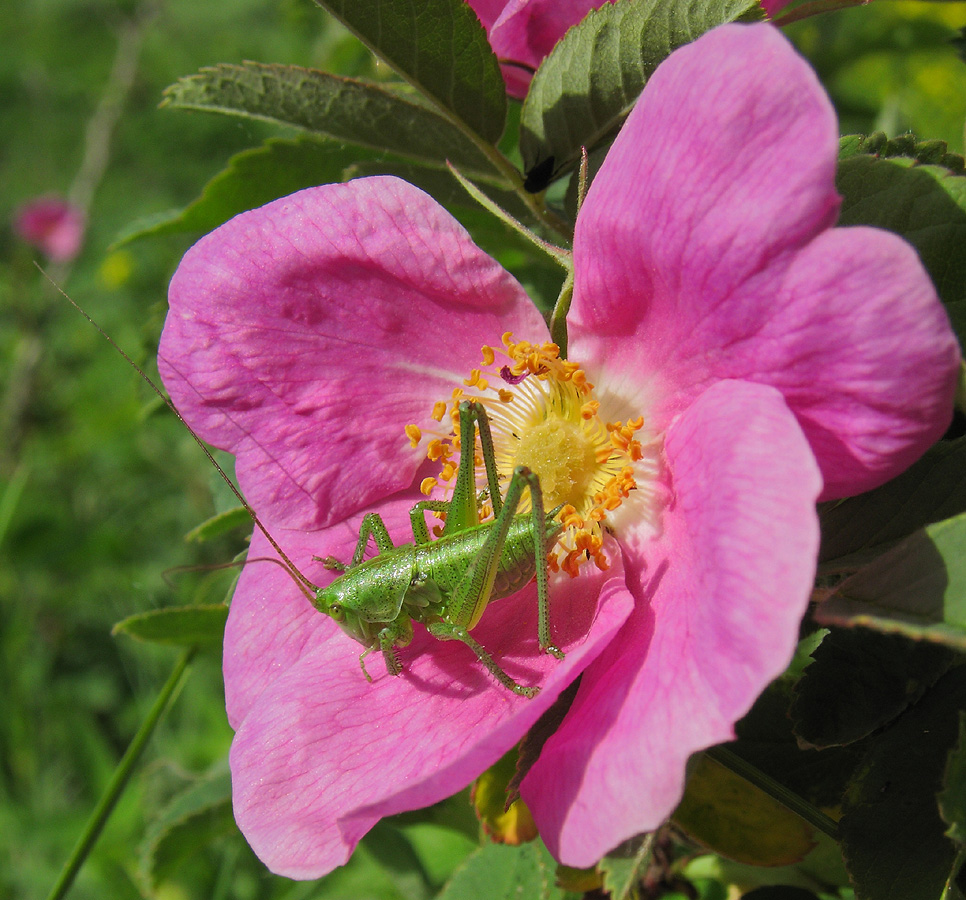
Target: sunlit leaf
column 924, row 203
column 502, row 872
column 585, row 88
column 344, row 109
column 918, row 588
column 439, row 47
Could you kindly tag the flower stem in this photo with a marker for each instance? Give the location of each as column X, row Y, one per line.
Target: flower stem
column 789, row 799
column 122, row 774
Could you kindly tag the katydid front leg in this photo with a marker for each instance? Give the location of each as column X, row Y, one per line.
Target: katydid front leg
column 373, row 525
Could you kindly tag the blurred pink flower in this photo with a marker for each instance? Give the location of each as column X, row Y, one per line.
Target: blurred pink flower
column 773, row 359
column 523, row 32
column 53, row 226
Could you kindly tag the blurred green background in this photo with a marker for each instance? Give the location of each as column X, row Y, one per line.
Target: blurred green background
column 98, row 482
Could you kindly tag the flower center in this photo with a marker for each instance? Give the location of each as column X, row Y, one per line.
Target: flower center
column 544, row 415
column 560, row 453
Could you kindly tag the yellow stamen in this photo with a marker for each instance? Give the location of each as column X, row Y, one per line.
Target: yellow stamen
column 414, row 435
column 543, row 414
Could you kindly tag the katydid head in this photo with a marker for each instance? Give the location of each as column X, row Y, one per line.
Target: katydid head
column 332, row 602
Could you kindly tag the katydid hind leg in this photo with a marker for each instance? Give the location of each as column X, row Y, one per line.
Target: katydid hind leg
column 446, row 631
column 538, row 525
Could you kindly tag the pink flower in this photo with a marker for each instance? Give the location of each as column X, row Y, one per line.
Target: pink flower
column 53, row 226
column 523, row 32
column 748, row 356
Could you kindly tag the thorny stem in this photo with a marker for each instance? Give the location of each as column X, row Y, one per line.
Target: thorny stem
column 122, row 774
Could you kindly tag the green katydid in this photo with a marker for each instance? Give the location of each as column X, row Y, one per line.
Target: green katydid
column 444, row 584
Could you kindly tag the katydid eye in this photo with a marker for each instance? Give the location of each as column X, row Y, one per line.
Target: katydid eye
column 337, row 612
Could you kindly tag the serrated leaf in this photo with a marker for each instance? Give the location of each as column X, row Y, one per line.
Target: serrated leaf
column 584, row 89
column 925, row 204
column 860, row 681
column 952, row 800
column 344, row 109
column 439, row 47
column 220, row 524
column 192, row 821
column 181, row 626
column 932, row 489
column 502, row 872
column 933, row 153
column 917, row 588
column 892, row 834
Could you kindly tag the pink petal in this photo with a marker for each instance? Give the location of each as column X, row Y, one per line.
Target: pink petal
column 305, row 335
column 322, row 755
column 735, row 275
column 523, row 32
column 719, row 600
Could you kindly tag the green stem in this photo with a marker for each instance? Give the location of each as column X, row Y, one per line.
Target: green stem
column 122, row 774
column 789, row 799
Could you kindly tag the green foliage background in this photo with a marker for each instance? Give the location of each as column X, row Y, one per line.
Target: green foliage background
column 99, row 484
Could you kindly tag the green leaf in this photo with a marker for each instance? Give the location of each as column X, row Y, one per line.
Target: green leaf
column 585, row 88
column 181, row 626
column 918, row 588
column 501, row 872
column 189, row 824
column 440, row 48
column 253, row 178
column 736, row 819
column 860, row 681
column 398, row 859
column 623, row 869
column 892, row 834
column 220, row 524
column 952, row 800
column 925, row 204
column 932, row 489
column 344, row 109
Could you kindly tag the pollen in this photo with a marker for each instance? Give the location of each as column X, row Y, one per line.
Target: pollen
column 544, row 414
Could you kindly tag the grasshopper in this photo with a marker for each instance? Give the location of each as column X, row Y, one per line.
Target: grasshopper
column 444, row 584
